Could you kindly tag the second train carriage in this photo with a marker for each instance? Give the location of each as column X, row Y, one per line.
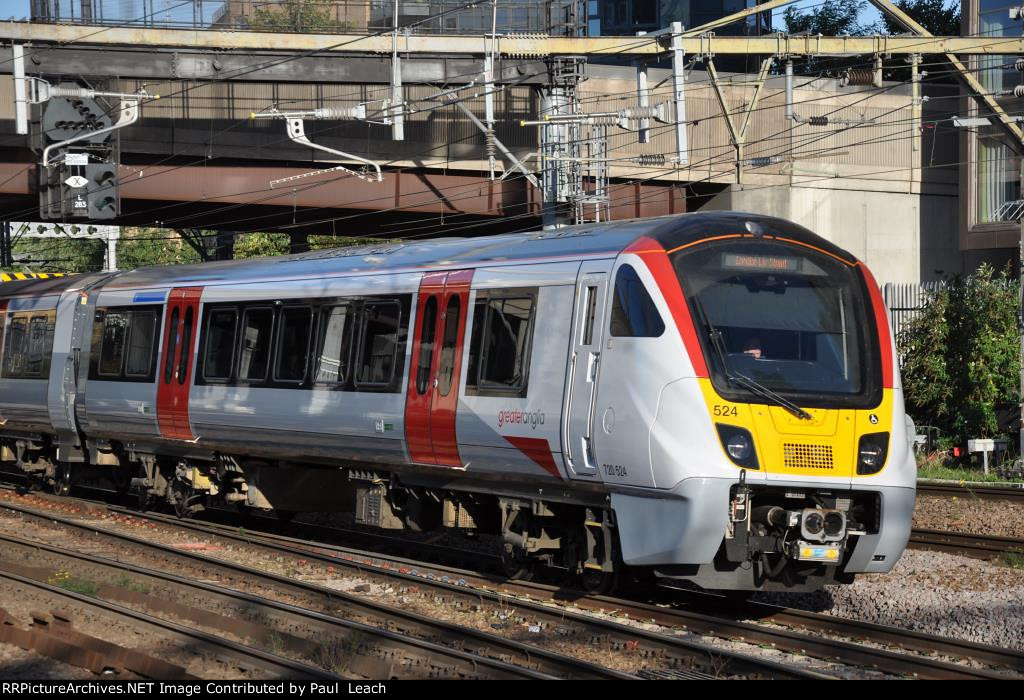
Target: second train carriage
column 708, row 397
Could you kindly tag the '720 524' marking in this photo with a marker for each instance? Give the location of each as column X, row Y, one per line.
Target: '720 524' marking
column 722, row 410
column 615, row 470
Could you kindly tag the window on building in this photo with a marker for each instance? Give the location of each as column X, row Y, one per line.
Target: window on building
column 254, row 359
column 293, row 344
column 378, row 345
column 998, row 182
column 633, row 311
column 500, row 344
column 997, row 72
column 220, row 344
column 645, row 12
column 334, row 343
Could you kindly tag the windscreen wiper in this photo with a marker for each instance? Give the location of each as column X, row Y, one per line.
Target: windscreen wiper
column 767, row 393
column 741, row 379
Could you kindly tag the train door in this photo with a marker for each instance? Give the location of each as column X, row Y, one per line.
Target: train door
column 581, row 382
column 175, row 371
column 433, row 393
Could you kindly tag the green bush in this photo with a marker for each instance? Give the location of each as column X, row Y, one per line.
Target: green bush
column 961, row 357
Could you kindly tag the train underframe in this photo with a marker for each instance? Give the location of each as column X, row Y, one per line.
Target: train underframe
column 775, row 539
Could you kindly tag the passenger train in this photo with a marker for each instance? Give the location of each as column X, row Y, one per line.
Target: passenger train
column 707, row 397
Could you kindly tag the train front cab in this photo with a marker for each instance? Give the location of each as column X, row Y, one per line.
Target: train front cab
column 778, row 446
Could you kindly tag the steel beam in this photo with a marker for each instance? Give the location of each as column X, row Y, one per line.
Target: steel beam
column 520, row 46
column 156, row 63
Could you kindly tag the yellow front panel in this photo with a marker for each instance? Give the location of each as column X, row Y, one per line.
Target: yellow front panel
column 824, row 446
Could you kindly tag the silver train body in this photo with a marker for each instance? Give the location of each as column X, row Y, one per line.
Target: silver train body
column 707, row 397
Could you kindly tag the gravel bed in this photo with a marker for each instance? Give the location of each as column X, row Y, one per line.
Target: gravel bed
column 505, row 620
column 16, row 664
column 974, row 515
column 931, row 592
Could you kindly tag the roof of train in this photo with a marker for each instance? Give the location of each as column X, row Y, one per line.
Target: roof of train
column 450, row 253
column 39, row 287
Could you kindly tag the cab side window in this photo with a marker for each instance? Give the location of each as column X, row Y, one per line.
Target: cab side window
column 634, row 314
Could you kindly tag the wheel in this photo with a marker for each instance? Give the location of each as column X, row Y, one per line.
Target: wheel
column 183, row 493
column 597, row 582
column 144, row 500
column 516, row 565
column 62, row 480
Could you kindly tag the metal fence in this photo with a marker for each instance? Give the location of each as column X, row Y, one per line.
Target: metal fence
column 556, row 17
column 905, row 301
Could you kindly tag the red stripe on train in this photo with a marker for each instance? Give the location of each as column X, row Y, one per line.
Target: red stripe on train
column 882, row 323
column 538, row 450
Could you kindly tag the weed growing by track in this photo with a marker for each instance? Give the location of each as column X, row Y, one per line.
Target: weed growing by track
column 68, row 581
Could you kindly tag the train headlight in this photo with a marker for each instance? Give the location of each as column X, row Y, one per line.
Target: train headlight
column 871, row 453
column 739, row 445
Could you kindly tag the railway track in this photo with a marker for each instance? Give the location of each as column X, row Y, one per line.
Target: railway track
column 977, row 546
column 665, row 654
column 780, row 632
column 55, row 634
column 355, row 648
column 987, row 493
column 658, row 652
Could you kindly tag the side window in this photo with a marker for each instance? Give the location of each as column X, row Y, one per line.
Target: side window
column 124, row 342
column 293, row 344
column 112, row 344
column 142, row 340
column 500, row 346
column 28, row 345
column 37, row 349
column 184, row 354
column 378, row 344
column 333, row 344
column 14, row 350
column 634, row 314
column 426, row 358
column 254, row 360
column 220, row 343
column 170, row 343
column 446, row 367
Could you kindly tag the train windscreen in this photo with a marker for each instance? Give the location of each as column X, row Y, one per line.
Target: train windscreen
column 793, row 320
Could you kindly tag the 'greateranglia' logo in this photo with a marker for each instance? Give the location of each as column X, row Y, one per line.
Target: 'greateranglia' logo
column 530, row 418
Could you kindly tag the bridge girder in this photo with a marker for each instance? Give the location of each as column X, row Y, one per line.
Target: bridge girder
column 522, row 46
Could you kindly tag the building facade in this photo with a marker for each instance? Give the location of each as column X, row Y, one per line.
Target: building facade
column 627, row 17
column 990, row 184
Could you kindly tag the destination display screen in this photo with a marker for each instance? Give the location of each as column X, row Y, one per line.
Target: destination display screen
column 761, row 263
